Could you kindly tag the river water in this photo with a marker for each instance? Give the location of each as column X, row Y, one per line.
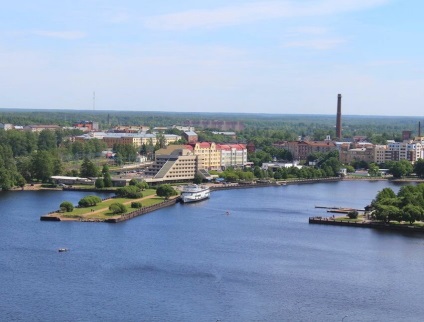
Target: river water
column 193, row 262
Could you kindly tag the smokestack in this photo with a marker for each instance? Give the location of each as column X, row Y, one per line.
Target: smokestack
column 339, row 117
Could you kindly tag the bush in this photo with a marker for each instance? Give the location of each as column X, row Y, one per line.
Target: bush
column 352, row 214
column 89, row 201
column 136, row 204
column 129, row 192
column 67, row 206
column 140, row 184
column 118, row 208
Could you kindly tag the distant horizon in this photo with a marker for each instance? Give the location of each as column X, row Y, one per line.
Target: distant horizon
column 206, row 113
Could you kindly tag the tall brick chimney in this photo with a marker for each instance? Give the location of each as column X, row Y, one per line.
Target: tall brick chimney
column 339, row 117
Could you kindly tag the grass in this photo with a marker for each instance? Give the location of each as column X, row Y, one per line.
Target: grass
column 345, row 219
column 86, row 212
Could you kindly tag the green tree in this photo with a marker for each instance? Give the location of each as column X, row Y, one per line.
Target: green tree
column 197, row 179
column 47, row 140
column 129, row 192
column 412, row 213
column 374, row 170
column 88, row 168
column 165, row 191
column 99, row 184
column 419, row 168
column 67, row 206
column 105, row 168
column 89, row 201
column 42, row 165
column 118, row 208
column 107, row 179
column 400, row 169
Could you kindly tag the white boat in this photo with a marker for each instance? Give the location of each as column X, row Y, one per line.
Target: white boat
column 194, row 192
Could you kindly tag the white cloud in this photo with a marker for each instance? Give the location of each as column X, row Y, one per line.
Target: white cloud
column 68, row 35
column 255, row 11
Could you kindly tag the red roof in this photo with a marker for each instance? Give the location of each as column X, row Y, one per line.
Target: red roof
column 231, row 146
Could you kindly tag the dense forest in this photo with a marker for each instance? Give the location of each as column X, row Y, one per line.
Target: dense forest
column 278, row 126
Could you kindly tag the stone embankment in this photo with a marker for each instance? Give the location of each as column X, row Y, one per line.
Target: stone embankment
column 269, row 184
column 142, row 211
column 366, row 224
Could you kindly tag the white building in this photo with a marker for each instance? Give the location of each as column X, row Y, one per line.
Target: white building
column 406, row 150
column 232, row 155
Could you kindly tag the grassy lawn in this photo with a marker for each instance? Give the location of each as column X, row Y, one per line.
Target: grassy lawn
column 87, row 212
column 359, row 219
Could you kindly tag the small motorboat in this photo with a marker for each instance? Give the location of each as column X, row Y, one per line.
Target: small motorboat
column 62, row 250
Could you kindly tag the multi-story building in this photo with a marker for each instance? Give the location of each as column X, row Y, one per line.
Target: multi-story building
column 174, row 164
column 301, row 149
column 39, row 128
column 87, row 125
column 350, row 152
column 406, row 150
column 381, row 154
column 209, row 155
column 191, row 137
column 232, row 155
column 130, row 129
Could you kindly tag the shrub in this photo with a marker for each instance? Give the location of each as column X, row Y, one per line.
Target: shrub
column 129, row 192
column 139, row 184
column 89, row 201
column 117, row 208
column 352, row 214
column 136, row 204
column 67, row 206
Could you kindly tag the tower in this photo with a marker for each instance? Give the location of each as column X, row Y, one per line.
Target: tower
column 339, row 117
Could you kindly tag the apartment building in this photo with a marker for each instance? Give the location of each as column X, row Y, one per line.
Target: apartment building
column 301, row 149
column 209, row 155
column 406, row 150
column 232, row 155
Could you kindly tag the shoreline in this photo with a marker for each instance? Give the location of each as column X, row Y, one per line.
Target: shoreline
column 366, row 224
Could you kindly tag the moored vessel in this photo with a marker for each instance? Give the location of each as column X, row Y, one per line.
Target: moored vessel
column 194, row 192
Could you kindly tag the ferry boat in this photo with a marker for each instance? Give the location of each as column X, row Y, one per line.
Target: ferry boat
column 194, row 192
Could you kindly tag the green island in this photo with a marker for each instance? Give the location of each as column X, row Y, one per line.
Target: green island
column 92, row 208
column 388, row 210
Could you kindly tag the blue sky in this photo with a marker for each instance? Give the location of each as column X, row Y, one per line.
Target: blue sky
column 288, row 57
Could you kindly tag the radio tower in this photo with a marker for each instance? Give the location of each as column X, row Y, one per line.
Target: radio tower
column 94, row 101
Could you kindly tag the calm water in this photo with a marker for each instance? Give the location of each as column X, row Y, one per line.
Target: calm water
column 263, row 262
